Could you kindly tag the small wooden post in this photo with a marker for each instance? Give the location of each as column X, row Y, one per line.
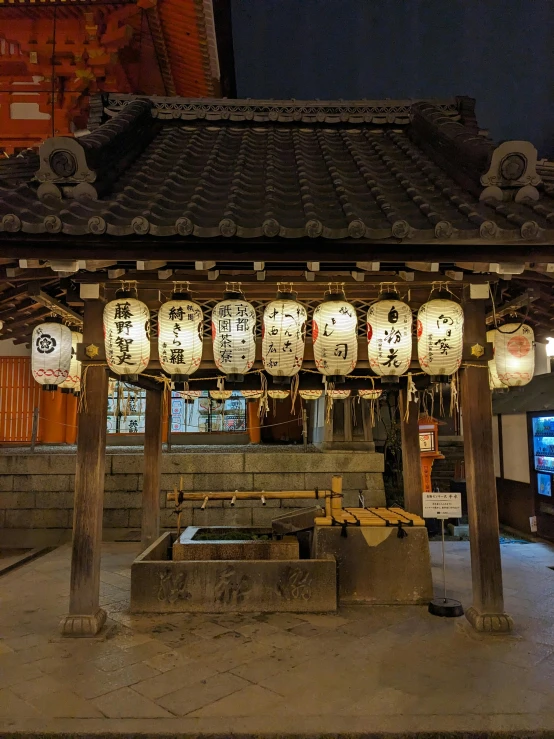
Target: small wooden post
column 336, row 495
column 305, row 429
column 487, row 612
column 86, row 618
column 152, row 468
column 411, row 458
column 34, row 431
column 347, row 418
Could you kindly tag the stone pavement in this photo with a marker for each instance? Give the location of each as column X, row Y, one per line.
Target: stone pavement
column 360, row 671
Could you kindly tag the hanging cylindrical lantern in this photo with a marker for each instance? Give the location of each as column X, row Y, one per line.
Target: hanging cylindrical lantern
column 389, row 336
column 252, row 394
column 180, row 323
column 338, row 394
column 440, row 327
column 73, row 381
column 51, row 354
column 234, row 335
column 335, row 337
column 514, row 354
column 495, row 383
column 310, row 394
column 372, row 394
column 127, row 335
column 283, row 336
column 220, row 394
column 278, row 394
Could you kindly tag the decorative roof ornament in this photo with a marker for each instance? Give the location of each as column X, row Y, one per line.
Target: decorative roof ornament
column 512, row 173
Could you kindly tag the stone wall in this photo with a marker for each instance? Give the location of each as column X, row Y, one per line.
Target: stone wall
column 36, row 490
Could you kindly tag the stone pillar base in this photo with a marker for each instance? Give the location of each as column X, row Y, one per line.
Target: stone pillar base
column 489, row 623
column 83, row 625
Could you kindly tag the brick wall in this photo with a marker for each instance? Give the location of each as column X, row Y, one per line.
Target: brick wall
column 36, row 491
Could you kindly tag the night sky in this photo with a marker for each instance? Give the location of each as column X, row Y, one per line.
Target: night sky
column 499, row 51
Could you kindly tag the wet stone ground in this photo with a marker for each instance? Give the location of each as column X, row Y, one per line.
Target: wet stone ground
column 384, row 668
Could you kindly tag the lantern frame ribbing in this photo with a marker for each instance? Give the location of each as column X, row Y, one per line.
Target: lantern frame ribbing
column 127, row 336
column 335, row 324
column 234, row 335
column 51, row 353
column 283, row 337
column 389, row 336
column 440, row 330
column 180, row 339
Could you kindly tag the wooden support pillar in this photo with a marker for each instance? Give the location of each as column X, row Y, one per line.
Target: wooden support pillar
column 152, row 467
column 411, row 456
column 86, row 618
column 253, row 421
column 487, row 612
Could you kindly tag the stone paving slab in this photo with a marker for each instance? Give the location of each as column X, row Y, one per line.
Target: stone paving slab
column 363, row 671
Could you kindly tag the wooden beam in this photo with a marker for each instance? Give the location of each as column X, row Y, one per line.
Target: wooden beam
column 54, row 305
column 454, row 275
column 487, row 612
column 150, row 265
column 411, row 454
column 423, row 266
column 113, row 274
column 529, row 296
column 369, row 266
column 131, row 248
column 406, row 276
column 85, row 617
column 150, row 528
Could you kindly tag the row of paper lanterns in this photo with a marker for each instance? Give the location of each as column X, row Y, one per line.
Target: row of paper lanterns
column 334, row 336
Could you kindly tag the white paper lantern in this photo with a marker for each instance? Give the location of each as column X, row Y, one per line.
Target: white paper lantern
column 73, row 381
column 234, row 335
column 278, row 394
column 127, row 335
column 495, row 383
column 310, row 394
column 180, row 322
column 338, row 394
column 252, row 394
column 283, row 336
column 51, row 354
column 389, row 337
column 370, row 394
column 220, row 394
column 335, row 337
column 440, row 327
column 514, row 354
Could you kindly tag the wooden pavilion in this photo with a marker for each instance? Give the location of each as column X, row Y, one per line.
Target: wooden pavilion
column 260, row 192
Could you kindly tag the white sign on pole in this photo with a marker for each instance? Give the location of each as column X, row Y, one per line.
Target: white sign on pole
column 442, row 505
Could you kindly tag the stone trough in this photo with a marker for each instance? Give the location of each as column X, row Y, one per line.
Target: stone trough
column 178, row 574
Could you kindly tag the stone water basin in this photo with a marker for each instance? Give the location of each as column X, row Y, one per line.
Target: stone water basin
column 196, row 573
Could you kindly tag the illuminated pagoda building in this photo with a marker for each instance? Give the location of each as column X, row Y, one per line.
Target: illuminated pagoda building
column 56, row 56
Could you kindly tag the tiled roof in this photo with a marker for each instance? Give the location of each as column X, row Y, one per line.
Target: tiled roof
column 427, row 177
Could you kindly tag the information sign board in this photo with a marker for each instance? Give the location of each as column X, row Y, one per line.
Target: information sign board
column 442, row 505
